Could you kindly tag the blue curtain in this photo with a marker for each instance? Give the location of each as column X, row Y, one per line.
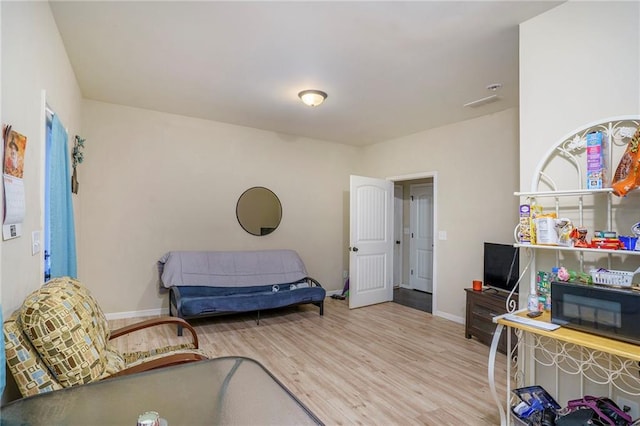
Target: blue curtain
column 62, row 231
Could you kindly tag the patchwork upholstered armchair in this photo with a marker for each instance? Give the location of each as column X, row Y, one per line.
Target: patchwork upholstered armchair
column 60, row 338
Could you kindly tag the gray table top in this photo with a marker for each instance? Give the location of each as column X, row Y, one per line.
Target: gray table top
column 227, row 390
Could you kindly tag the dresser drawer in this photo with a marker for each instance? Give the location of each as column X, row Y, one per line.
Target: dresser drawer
column 487, row 312
column 482, row 306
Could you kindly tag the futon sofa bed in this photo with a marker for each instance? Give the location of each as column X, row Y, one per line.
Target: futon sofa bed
column 208, row 283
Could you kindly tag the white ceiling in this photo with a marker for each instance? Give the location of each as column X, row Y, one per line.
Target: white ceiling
column 390, row 68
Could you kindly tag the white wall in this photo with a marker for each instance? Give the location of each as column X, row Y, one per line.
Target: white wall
column 33, row 59
column 154, row 182
column 579, row 63
column 476, row 162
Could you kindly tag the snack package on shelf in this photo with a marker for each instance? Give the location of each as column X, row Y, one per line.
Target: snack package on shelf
column 563, row 274
column 543, row 284
column 627, row 175
column 524, row 231
column 606, row 240
column 596, row 161
column 629, row 242
column 546, row 233
column 564, row 228
column 579, row 237
column 536, row 211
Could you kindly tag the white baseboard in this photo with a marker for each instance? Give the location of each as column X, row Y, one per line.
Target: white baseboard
column 454, row 318
column 165, row 311
column 137, row 314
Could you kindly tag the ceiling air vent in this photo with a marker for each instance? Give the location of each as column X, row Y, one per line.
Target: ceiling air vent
column 483, row 101
column 493, row 87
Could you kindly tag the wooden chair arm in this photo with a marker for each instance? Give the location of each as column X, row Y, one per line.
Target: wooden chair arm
column 154, row 322
column 167, row 361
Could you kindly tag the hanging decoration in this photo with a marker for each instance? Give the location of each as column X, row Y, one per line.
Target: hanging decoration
column 77, row 156
column 15, row 146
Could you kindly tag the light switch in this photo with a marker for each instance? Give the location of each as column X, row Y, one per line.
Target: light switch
column 442, row 235
column 35, row 243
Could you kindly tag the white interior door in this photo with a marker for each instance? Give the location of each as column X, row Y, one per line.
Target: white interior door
column 421, row 243
column 370, row 241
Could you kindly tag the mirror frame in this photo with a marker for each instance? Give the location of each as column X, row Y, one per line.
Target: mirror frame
column 245, row 204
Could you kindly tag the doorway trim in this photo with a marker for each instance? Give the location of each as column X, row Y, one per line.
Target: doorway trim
column 398, row 236
column 434, row 177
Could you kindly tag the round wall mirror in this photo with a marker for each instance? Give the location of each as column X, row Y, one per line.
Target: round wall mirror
column 259, row 211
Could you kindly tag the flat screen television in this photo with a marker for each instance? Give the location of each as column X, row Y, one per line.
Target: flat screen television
column 501, row 266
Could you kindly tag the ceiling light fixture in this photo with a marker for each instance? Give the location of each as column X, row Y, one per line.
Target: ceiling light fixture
column 312, row 98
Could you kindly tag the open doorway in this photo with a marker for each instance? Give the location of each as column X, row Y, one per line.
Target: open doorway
column 415, row 283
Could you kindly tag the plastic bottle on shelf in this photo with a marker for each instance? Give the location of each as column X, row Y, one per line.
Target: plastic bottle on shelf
column 532, row 303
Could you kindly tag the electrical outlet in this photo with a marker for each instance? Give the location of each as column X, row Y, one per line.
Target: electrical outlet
column 633, row 407
column 345, row 274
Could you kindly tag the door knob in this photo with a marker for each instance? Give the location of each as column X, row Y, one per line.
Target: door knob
column 354, row 249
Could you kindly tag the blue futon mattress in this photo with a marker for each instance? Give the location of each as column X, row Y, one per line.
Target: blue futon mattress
column 198, row 300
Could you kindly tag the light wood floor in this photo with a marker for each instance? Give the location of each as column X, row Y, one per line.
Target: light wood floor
column 385, row 364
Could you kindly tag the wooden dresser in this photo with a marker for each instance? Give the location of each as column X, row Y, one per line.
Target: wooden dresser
column 482, row 306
